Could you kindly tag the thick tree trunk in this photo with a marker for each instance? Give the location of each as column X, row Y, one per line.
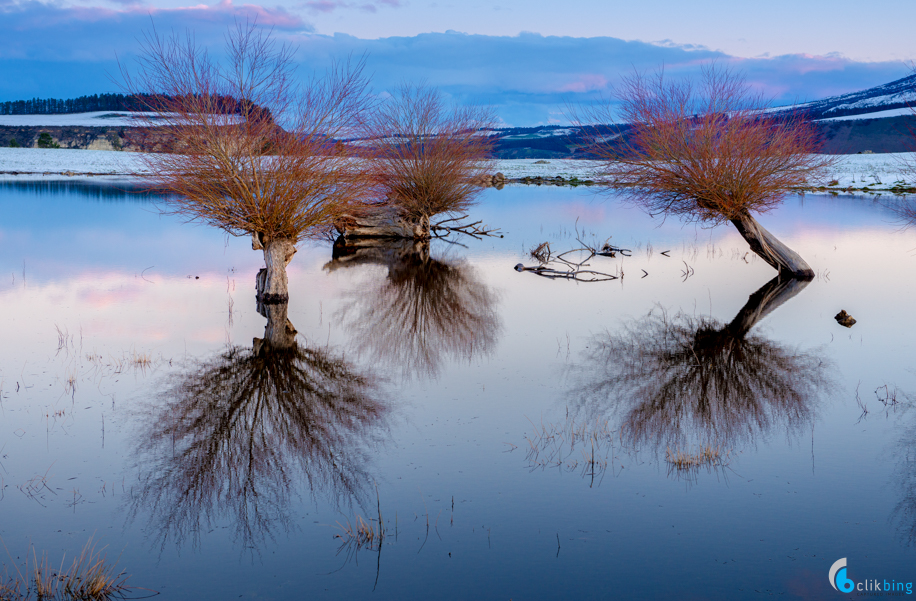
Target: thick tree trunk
column 376, row 251
column 383, row 221
column 770, row 249
column 763, row 302
column 272, row 283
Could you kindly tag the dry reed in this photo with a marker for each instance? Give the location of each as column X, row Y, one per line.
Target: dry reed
column 89, row 577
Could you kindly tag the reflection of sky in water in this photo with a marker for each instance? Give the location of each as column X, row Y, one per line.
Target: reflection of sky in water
column 791, row 503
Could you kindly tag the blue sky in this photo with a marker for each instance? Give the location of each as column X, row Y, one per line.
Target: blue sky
column 526, row 58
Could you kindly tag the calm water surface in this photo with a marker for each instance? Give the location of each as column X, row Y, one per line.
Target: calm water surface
column 516, row 433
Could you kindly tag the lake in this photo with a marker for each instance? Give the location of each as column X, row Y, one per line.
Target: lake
column 693, row 429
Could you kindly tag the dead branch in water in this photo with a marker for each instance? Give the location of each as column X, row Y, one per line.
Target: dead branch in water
column 476, row 229
column 561, row 267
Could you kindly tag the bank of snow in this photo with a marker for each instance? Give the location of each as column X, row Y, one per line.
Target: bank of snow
column 876, row 115
column 94, row 119
column 874, row 171
column 565, row 168
column 59, row 161
column 877, row 172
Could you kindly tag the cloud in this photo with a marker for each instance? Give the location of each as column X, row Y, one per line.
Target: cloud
column 587, row 82
column 329, row 6
column 527, row 78
column 48, row 31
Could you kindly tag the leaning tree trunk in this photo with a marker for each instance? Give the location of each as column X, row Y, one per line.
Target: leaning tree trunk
column 272, row 283
column 770, row 249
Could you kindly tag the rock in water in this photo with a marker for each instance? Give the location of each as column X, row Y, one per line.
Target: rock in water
column 844, row 319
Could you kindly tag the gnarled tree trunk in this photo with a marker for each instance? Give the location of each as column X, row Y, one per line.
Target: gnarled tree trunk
column 272, row 283
column 382, row 221
column 770, row 249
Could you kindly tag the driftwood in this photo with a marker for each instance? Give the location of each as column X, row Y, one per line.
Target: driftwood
column 561, row 267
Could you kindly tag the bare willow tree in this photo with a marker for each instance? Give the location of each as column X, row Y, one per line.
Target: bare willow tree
column 710, row 153
column 676, row 381
column 429, row 158
column 250, row 148
column 235, row 436
column 425, row 311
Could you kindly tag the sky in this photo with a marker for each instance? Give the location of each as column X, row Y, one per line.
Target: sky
column 526, row 58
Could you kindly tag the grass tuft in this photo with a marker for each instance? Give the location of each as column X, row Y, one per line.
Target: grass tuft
column 686, row 462
column 88, row 578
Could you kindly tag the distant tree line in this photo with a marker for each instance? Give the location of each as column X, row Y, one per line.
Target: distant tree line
column 96, row 102
column 83, row 104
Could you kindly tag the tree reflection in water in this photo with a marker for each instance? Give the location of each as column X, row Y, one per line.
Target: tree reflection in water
column 425, row 311
column 687, row 382
column 237, row 435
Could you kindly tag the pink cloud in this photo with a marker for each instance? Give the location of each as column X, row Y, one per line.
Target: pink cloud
column 588, row 82
column 799, row 63
column 266, row 17
column 37, row 15
column 324, row 6
column 328, row 6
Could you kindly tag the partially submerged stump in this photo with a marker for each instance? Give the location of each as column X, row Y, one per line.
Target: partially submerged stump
column 272, row 285
column 382, row 221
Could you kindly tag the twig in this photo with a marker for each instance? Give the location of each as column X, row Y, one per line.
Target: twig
column 474, row 229
column 559, row 267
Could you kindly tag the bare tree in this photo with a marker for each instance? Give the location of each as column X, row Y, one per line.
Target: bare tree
column 252, row 150
column 711, row 154
column 428, row 158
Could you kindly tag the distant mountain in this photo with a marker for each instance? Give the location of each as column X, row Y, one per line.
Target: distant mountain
column 900, row 94
column 877, row 119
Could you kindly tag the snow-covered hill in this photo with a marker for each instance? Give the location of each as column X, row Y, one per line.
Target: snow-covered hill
column 899, row 94
column 96, row 119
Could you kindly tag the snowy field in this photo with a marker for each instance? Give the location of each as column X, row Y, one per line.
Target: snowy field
column 96, row 119
column 58, row 161
column 876, row 172
column 876, row 115
column 567, row 169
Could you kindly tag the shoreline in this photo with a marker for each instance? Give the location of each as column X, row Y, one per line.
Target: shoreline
column 873, row 174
